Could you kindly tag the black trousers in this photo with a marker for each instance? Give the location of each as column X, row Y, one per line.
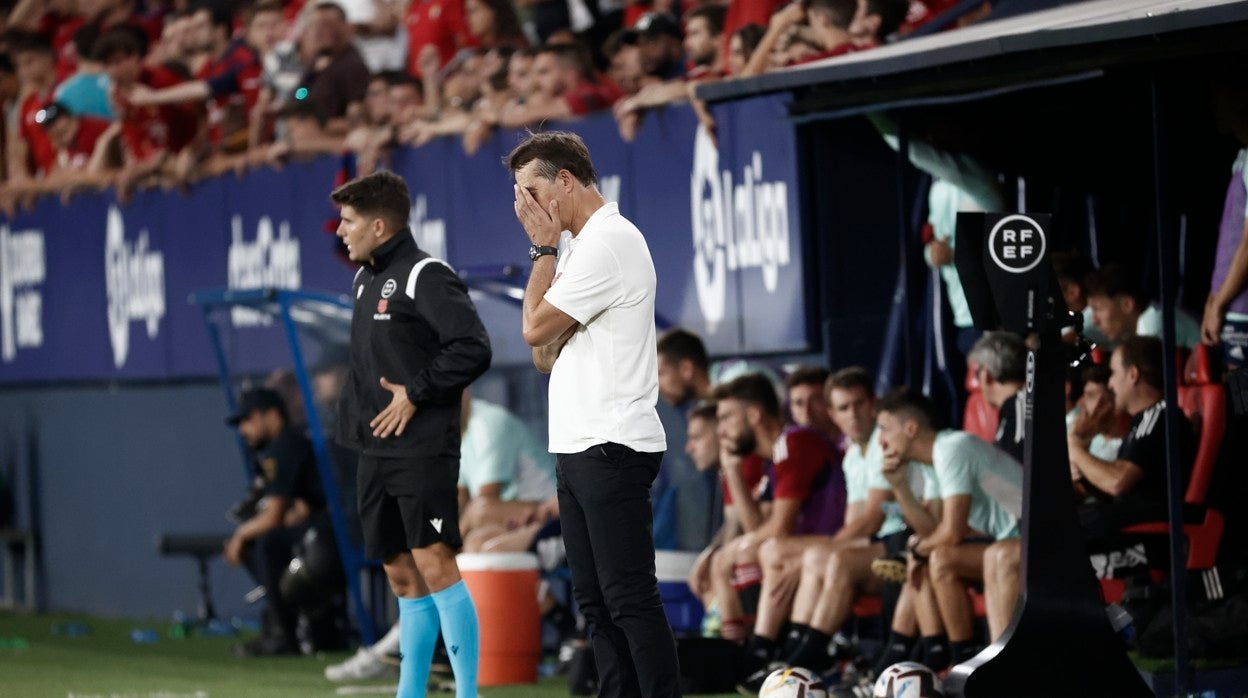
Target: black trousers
column 270, row 554
column 604, row 506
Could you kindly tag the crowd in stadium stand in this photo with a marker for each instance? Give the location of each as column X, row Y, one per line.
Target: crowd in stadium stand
column 139, row 93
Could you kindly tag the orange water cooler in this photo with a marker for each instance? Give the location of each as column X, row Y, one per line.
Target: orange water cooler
column 504, row 590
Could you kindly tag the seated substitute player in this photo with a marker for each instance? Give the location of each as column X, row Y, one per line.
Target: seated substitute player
column 1000, row 359
column 1099, row 424
column 981, row 489
column 505, row 473
column 834, row 570
column 293, row 501
column 702, row 445
column 804, row 478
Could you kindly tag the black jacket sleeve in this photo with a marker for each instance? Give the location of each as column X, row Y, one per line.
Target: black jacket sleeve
column 441, row 298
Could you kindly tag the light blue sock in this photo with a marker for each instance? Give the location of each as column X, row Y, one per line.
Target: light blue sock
column 418, row 633
column 459, row 632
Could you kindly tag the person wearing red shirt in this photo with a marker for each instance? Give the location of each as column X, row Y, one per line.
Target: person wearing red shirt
column 30, row 152
column 74, row 137
column 564, row 86
column 149, row 134
column 440, row 23
column 232, row 80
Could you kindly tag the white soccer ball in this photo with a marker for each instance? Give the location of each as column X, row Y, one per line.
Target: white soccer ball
column 793, row 682
column 908, row 680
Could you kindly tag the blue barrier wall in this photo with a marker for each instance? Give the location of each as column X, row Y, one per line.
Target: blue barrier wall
column 96, row 290
column 109, row 397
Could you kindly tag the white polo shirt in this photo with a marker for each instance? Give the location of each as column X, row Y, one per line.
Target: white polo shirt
column 605, row 383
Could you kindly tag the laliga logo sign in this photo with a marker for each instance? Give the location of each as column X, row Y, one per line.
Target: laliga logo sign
column 23, row 268
column 735, row 227
column 267, row 262
column 430, row 235
column 135, row 280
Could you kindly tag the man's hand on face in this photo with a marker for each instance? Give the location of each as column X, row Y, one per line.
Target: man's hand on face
column 540, row 224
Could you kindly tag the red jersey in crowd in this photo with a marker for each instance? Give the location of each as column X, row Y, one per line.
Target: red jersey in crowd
column 146, row 130
column 437, row 22
column 586, row 97
column 39, row 151
column 743, row 12
column 233, row 78
column 79, row 152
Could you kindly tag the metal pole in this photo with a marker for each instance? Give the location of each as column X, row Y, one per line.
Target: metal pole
column 351, row 561
column 903, row 247
column 1174, row 466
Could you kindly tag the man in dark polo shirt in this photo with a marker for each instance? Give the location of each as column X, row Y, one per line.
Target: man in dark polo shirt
column 338, row 78
column 293, row 501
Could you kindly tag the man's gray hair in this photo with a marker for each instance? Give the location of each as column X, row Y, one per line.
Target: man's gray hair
column 1002, row 354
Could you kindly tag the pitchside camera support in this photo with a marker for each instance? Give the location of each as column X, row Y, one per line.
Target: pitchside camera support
column 1060, row 642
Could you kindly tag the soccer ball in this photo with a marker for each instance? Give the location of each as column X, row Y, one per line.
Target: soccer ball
column 793, row 682
column 908, row 680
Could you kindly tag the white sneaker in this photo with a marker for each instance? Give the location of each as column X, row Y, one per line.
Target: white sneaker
column 363, row 665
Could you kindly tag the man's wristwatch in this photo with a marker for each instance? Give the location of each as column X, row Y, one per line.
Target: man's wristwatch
column 536, row 251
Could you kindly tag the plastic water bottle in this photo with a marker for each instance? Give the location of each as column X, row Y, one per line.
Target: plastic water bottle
column 1121, row 621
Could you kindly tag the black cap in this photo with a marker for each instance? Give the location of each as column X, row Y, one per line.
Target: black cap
column 655, row 24
column 50, row 112
column 253, row 400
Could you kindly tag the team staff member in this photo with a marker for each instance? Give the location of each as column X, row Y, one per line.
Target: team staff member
column 293, row 500
column 416, row 343
column 590, row 321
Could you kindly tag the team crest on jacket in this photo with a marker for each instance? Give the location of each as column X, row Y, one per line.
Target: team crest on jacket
column 388, row 288
column 382, row 305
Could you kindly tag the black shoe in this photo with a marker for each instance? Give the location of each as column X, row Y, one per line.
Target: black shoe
column 265, row 647
column 753, row 683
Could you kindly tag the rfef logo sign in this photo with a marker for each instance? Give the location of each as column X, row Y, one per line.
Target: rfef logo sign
column 1016, row 243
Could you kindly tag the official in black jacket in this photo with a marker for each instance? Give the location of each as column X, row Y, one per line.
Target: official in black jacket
column 416, row 343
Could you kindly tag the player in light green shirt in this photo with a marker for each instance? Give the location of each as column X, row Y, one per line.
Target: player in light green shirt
column 981, row 492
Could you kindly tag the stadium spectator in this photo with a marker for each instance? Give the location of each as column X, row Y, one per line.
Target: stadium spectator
column 378, row 31
column 742, row 13
column 981, row 491
column 231, row 79
column 806, row 486
column 1225, row 318
column 389, row 94
column 823, row 25
column 85, row 92
column 876, row 21
column 1121, row 309
column 704, row 26
column 494, row 24
column 1000, row 361
column 624, row 61
column 151, row 136
column 564, row 86
column 293, row 501
column 337, row 79
column 437, row 23
column 30, row 152
column 306, row 135
column 741, row 46
column 662, row 46
column 496, row 94
column 74, row 140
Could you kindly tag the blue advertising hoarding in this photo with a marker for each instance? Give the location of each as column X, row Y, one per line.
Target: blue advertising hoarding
column 96, row 289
